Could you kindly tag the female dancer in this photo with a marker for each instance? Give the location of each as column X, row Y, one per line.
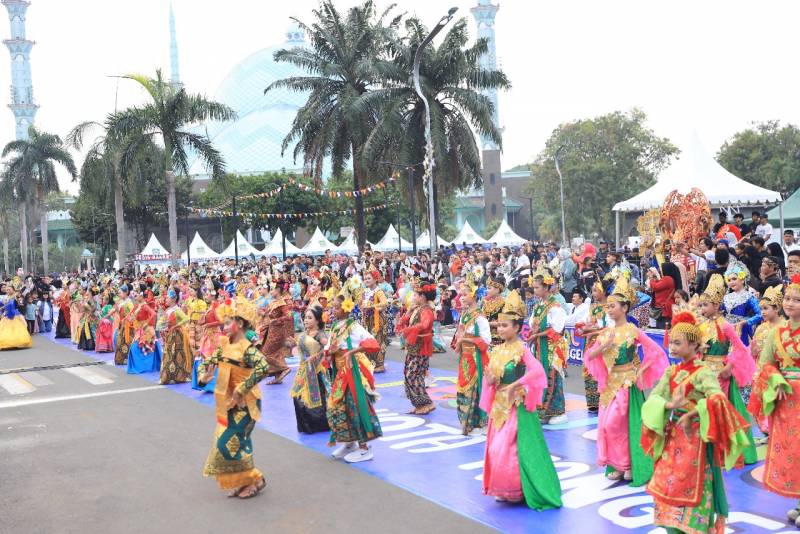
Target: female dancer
column 598, row 320
column 75, row 314
column 144, row 355
column 492, row 305
column 87, row 327
column 105, row 327
column 774, row 397
column 517, row 463
column 621, row 378
column 416, row 327
column 471, row 343
column 176, row 365
column 63, row 323
column 311, row 383
column 238, row 401
column 375, row 308
column 211, row 324
column 726, row 355
column 279, row 326
column 195, row 308
column 13, row 329
column 691, row 430
column 549, row 346
column 350, row 413
column 741, row 307
column 124, row 335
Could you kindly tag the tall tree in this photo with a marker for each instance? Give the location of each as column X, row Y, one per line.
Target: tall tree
column 104, row 145
column 341, row 65
column 7, row 202
column 33, row 163
column 452, row 80
column 603, row 160
column 167, row 118
column 767, row 154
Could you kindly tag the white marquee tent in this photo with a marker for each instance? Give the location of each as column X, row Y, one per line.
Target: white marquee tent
column 389, row 241
column 244, row 248
column 348, row 246
column 275, row 246
column 424, row 241
column 469, row 236
column 506, row 237
column 153, row 251
column 199, row 250
column 318, row 244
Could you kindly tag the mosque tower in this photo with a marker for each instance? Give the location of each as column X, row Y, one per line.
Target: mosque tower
column 22, row 103
column 484, row 14
column 174, row 72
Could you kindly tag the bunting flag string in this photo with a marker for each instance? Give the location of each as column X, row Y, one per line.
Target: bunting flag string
column 342, row 194
column 213, row 212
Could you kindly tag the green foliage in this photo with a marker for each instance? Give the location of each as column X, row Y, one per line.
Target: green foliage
column 603, row 160
column 767, row 154
column 491, row 228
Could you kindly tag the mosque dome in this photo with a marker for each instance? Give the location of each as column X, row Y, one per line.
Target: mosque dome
column 252, row 143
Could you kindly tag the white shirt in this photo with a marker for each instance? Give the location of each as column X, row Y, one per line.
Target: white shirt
column 556, row 319
column 577, row 314
column 764, row 230
column 523, row 265
column 700, row 262
column 357, row 334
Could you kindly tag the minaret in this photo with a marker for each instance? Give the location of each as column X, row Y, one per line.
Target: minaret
column 493, row 207
column 175, row 75
column 22, row 103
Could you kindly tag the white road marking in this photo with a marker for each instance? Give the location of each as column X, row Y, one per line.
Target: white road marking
column 15, row 384
column 89, row 375
column 36, row 379
column 47, row 400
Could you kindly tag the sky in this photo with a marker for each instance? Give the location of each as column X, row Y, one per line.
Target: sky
column 708, row 66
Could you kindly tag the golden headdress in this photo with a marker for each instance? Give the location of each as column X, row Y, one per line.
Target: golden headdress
column 685, row 323
column 547, row 275
column 497, row 283
column 244, row 308
column 623, row 292
column 514, row 308
column 715, row 290
column 794, row 283
column 773, row 296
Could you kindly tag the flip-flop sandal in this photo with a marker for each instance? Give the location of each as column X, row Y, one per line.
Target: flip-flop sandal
column 235, row 493
column 251, row 495
column 279, row 379
column 426, row 411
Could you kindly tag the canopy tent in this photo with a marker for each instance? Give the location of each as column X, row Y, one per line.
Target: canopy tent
column 199, row 250
column 697, row 168
column 275, row 246
column 244, row 248
column 318, row 244
column 791, row 211
column 389, row 241
column 153, row 252
column 424, row 240
column 506, row 237
column 469, row 236
column 348, row 246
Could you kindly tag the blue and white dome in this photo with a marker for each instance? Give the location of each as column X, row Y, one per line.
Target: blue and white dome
column 252, row 143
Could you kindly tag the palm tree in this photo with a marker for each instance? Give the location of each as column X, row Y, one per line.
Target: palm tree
column 6, row 203
column 33, row 165
column 341, row 69
column 452, row 80
column 105, row 147
column 165, row 117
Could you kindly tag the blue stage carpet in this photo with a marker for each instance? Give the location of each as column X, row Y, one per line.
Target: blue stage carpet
column 429, row 457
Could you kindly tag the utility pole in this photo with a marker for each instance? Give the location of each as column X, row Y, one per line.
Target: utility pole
column 409, row 172
column 235, row 230
column 188, row 243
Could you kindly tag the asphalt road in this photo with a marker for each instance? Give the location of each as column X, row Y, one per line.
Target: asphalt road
column 77, row 462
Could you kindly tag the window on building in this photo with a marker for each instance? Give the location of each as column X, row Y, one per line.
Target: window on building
column 491, row 178
column 494, row 209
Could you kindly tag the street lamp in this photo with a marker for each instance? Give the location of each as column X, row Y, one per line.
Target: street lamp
column 530, row 214
column 427, row 176
column 561, row 186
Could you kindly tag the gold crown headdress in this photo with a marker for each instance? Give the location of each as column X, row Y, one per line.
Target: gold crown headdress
column 514, row 308
column 496, row 283
column 685, row 323
column 715, row 290
column 623, row 292
column 547, row 275
column 773, row 296
column 794, row 283
column 244, row 308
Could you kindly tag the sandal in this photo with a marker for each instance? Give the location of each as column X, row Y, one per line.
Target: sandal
column 425, row 410
column 261, row 485
column 252, row 493
column 279, row 379
column 236, row 492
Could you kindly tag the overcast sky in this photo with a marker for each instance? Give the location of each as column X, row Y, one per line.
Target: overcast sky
column 709, row 66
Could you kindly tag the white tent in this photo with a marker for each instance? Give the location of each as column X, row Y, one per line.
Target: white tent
column 469, row 236
column 244, row 248
column 275, row 246
column 506, row 237
column 389, row 241
column 348, row 246
column 153, row 251
column 318, row 244
column 697, row 168
column 199, row 250
column 424, row 240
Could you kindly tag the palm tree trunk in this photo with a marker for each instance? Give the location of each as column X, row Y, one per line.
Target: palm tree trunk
column 119, row 213
column 5, row 251
column 23, row 235
column 173, row 217
column 45, row 239
column 358, row 171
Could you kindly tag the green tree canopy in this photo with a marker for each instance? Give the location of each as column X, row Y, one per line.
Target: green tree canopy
column 603, row 160
column 767, row 154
